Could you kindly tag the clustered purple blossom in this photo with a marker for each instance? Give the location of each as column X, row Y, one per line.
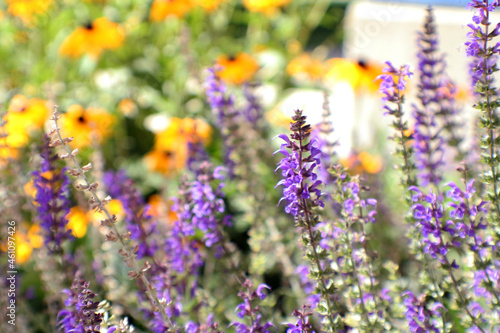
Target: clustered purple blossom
column 298, row 167
column 485, row 56
column 139, row 223
column 302, row 325
column 428, row 212
column 420, row 316
column 52, row 198
column 80, row 315
column 394, row 83
column 200, row 218
column 251, row 311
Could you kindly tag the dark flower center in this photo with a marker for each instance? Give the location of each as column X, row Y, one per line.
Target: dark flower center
column 89, row 26
column 362, row 64
column 231, row 58
column 81, row 119
column 168, row 153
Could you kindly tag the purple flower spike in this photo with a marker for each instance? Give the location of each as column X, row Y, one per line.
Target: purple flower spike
column 246, row 309
column 52, row 197
column 300, row 179
column 80, row 315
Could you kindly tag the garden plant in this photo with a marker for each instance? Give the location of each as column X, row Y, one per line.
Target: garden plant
column 150, row 182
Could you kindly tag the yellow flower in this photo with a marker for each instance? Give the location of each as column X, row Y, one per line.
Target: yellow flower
column 93, row 38
column 170, row 151
column 34, row 237
column 161, row 9
column 86, row 125
column 26, row 10
column 306, row 66
column 264, row 6
column 23, row 248
column 23, row 116
column 77, row 221
column 114, row 207
column 237, row 69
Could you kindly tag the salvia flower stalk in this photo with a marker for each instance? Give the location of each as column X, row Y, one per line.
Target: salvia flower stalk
column 52, row 199
column 429, row 149
column 392, row 87
column 80, row 314
column 249, row 310
column 484, row 53
column 301, row 191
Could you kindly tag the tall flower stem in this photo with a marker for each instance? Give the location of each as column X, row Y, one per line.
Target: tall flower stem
column 483, row 68
column 301, row 191
column 126, row 251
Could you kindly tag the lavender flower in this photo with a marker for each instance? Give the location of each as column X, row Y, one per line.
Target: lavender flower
column 80, row 315
column 247, row 309
column 52, row 197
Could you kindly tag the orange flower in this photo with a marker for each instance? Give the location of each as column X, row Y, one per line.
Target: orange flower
column 170, row 151
column 237, row 69
column 264, row 6
column 159, row 208
column 306, row 66
column 362, row 162
column 161, row 9
column 26, row 10
column 86, row 125
column 127, row 107
column 93, row 38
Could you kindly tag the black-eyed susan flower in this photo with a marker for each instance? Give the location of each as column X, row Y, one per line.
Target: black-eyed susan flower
column 161, row 9
column 359, row 74
column 23, row 116
column 86, row 125
column 264, row 6
column 237, row 69
column 306, row 66
column 170, row 152
column 27, row 10
column 93, row 38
